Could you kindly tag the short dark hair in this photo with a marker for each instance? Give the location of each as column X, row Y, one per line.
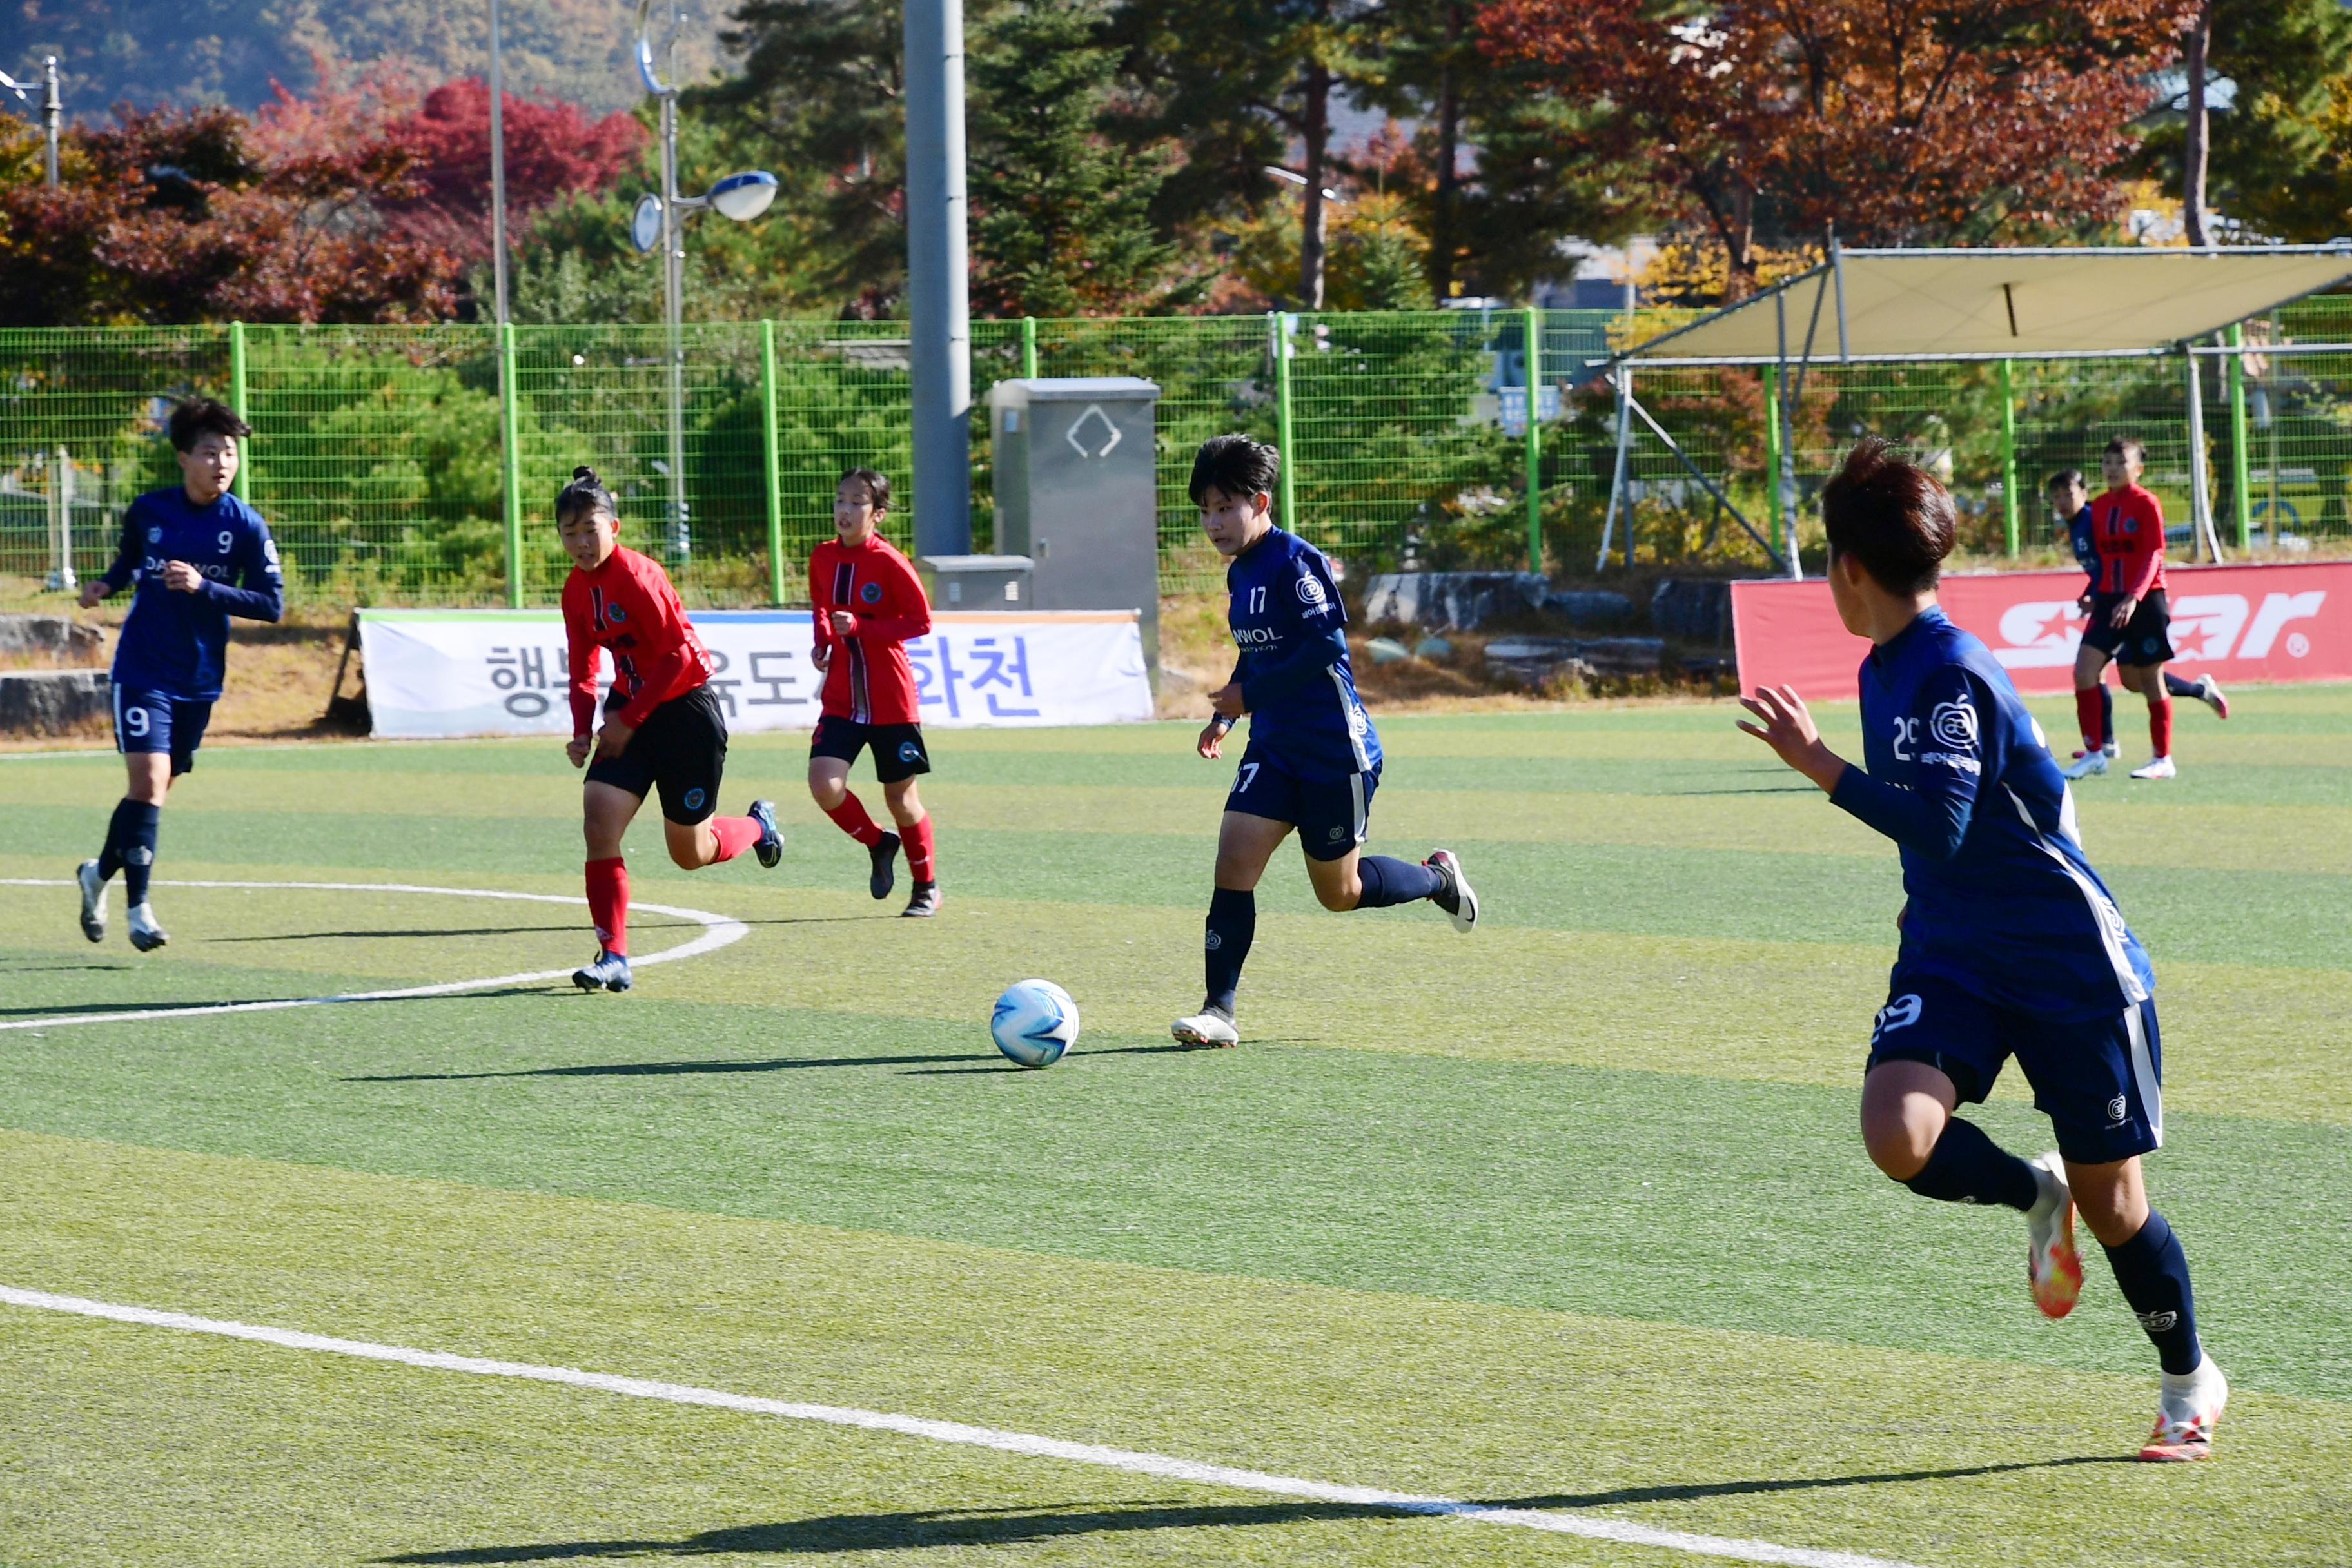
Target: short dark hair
column 584, row 493
column 1236, row 465
column 199, row 416
column 878, row 485
column 2127, row 446
column 1891, row 515
column 2065, row 478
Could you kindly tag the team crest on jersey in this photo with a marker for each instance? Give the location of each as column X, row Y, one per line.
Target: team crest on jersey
column 871, row 592
column 1310, row 592
column 1954, row 723
column 909, row 752
column 154, row 535
column 614, row 614
column 694, row 799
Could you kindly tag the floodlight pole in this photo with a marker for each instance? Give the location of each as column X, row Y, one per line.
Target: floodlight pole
column 498, row 169
column 52, row 114
column 681, row 531
column 938, row 285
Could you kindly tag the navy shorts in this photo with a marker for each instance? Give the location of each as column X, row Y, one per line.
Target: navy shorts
column 1332, row 816
column 156, row 721
column 681, row 750
column 899, row 751
column 2145, row 638
column 2099, row 1080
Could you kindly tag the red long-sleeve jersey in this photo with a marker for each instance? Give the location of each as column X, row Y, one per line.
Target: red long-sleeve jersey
column 867, row 678
column 2127, row 531
column 628, row 604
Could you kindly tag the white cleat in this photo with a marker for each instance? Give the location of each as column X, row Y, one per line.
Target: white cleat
column 2111, row 751
column 2087, row 765
column 1455, row 898
column 2053, row 1267
column 93, row 900
column 145, row 934
column 1211, row 1026
column 2186, row 1414
column 2158, row 768
column 2209, row 692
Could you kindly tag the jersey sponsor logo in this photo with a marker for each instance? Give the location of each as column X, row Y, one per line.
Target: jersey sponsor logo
column 871, row 592
column 1956, row 760
column 1954, row 723
column 909, row 752
column 1899, row 1013
column 1310, row 591
column 1247, row 635
column 694, row 799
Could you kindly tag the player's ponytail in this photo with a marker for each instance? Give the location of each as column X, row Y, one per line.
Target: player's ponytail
column 585, row 493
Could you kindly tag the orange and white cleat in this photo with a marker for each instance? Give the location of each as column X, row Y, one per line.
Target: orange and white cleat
column 2186, row 1414
column 2053, row 1267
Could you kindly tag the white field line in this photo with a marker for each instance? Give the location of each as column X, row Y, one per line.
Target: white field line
column 1623, row 1531
column 717, row 931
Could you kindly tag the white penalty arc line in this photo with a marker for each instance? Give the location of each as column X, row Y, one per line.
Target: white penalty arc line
column 1623, row 1532
column 717, row 931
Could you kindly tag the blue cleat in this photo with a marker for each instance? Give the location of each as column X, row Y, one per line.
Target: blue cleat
column 611, row 971
column 771, row 847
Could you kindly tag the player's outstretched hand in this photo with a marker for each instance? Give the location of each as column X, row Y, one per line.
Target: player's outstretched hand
column 1788, row 729
column 2123, row 612
column 614, row 737
column 92, row 592
column 1212, row 743
column 577, row 750
column 183, row 578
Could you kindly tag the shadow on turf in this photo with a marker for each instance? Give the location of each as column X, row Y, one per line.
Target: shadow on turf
column 359, row 935
column 772, row 1064
column 1002, row 1527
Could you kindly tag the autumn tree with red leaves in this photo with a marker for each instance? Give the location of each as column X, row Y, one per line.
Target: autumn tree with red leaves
column 1900, row 122
column 553, row 150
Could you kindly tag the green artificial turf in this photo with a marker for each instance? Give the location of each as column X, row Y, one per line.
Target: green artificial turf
column 1571, row 1209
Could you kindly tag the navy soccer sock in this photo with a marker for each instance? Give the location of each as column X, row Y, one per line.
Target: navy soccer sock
column 2174, row 685
column 118, row 838
column 1966, row 1167
column 2152, row 1272
column 2106, row 714
column 1388, row 880
column 1233, row 925
column 138, row 848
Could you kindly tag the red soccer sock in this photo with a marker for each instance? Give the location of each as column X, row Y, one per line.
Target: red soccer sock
column 917, row 838
column 2159, row 725
column 851, row 818
column 608, row 902
column 2086, row 716
column 736, row 833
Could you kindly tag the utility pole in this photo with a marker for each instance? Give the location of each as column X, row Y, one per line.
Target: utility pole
column 938, row 282
column 498, row 166
column 53, row 113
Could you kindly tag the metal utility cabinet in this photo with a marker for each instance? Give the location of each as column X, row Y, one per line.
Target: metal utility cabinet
column 977, row 581
column 1075, row 463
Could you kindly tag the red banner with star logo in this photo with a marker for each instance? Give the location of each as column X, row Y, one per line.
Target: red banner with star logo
column 2285, row 622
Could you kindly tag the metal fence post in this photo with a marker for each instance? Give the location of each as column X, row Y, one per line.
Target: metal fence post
column 1772, row 457
column 1280, row 321
column 243, row 484
column 2242, row 498
column 1028, row 348
column 511, row 464
column 771, row 462
column 2009, row 508
column 1534, row 379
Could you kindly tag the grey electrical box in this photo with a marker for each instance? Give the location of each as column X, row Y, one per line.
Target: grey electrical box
column 976, row 582
column 1076, row 466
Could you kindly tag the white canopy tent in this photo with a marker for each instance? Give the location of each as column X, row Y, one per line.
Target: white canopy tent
column 1985, row 304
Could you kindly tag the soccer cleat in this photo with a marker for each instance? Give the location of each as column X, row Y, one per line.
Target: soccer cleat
column 771, row 847
column 924, row 904
column 145, row 934
column 1454, row 895
column 2086, row 765
column 2186, row 1414
column 93, row 900
column 2053, row 1267
column 2209, row 692
column 883, row 852
column 1209, row 1027
column 610, row 971
column 2111, row 751
column 2157, row 768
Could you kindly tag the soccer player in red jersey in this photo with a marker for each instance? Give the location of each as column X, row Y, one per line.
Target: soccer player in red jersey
column 2130, row 618
column 663, row 727
column 868, row 603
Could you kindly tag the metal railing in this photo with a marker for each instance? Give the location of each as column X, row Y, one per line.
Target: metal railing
column 418, row 464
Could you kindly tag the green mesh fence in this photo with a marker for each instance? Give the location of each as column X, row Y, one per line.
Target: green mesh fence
column 381, row 461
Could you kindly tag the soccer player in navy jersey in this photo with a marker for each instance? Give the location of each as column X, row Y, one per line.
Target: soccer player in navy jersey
column 1313, row 759
column 2011, row 946
column 193, row 555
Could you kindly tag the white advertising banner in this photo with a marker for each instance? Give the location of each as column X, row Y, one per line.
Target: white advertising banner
column 504, row 672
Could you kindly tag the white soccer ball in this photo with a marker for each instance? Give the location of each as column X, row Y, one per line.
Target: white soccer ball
column 1035, row 1022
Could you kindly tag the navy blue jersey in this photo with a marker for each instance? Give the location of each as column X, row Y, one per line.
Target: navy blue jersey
column 177, row 643
column 2002, row 899
column 1297, row 687
column 2086, row 549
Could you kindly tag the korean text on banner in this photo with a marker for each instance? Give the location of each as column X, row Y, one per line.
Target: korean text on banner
column 504, row 672
column 2287, row 621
